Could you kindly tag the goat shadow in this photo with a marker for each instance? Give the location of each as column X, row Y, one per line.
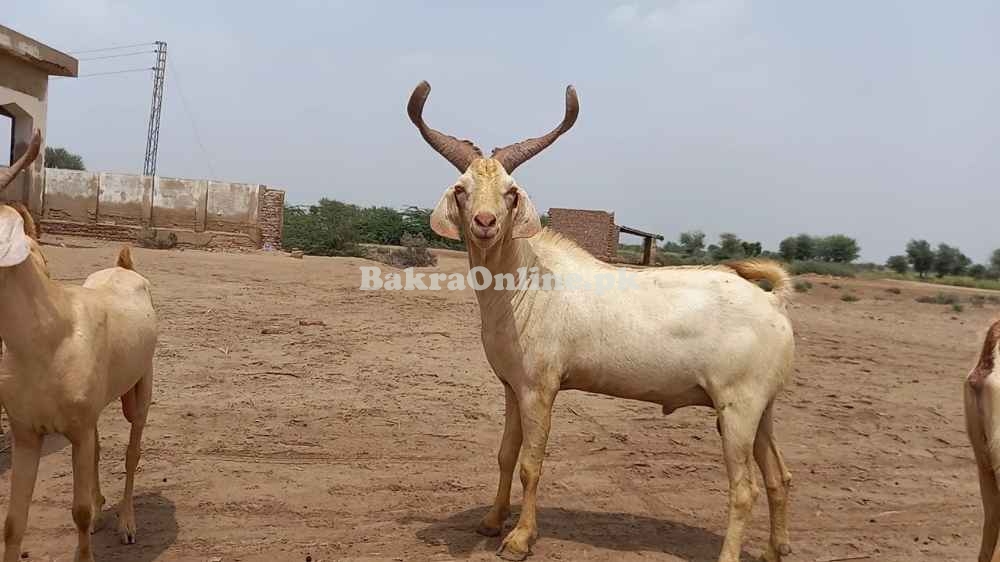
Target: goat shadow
column 624, row 532
column 156, row 521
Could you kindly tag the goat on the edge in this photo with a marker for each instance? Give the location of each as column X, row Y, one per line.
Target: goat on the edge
column 982, row 421
column 705, row 336
column 70, row 352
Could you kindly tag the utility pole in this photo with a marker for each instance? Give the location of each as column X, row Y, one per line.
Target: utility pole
column 153, row 137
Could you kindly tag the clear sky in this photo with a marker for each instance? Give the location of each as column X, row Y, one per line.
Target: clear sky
column 879, row 119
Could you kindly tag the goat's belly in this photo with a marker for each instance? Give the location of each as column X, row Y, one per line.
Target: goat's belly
column 653, row 387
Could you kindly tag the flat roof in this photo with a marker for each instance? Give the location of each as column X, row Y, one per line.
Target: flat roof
column 637, row 232
column 53, row 62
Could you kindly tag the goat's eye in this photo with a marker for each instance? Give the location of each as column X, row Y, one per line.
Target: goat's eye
column 511, row 196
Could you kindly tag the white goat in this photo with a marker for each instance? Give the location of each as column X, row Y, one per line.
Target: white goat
column 703, row 336
column 982, row 421
column 70, row 352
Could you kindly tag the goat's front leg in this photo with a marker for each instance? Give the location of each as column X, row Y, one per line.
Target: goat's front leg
column 510, row 447
column 27, row 451
column 536, row 414
column 84, row 477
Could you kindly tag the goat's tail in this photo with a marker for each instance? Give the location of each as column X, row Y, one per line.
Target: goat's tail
column 125, row 258
column 987, row 357
column 764, row 270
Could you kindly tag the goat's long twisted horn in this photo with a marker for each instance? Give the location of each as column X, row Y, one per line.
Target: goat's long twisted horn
column 514, row 155
column 7, row 176
column 459, row 152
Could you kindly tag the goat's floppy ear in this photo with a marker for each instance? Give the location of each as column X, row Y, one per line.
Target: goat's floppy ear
column 526, row 221
column 444, row 219
column 15, row 246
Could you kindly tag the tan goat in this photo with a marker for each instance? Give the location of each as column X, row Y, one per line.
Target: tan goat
column 70, row 351
column 703, row 336
column 982, row 421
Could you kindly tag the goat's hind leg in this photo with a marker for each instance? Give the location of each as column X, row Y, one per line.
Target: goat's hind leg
column 135, row 405
column 738, row 421
column 777, row 480
column 510, row 448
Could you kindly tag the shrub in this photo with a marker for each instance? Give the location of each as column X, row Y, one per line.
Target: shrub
column 940, row 298
column 993, row 299
column 414, row 253
column 894, row 290
column 848, row 297
column 822, row 268
column 150, row 238
column 835, row 286
column 978, row 300
column 957, row 307
column 802, row 286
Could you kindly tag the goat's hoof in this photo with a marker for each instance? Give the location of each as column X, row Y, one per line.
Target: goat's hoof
column 774, row 554
column 515, row 547
column 126, row 531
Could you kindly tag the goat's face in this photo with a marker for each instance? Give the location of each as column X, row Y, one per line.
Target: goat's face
column 485, row 205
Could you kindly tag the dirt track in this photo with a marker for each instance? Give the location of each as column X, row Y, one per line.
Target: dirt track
column 372, row 435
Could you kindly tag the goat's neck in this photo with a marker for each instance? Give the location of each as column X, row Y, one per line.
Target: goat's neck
column 33, row 309
column 513, row 256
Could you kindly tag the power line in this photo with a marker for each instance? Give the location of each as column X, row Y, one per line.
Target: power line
column 190, row 116
column 119, row 47
column 116, row 56
column 104, row 73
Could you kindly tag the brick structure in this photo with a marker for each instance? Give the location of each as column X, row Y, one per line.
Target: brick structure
column 594, row 231
column 271, row 217
column 198, row 213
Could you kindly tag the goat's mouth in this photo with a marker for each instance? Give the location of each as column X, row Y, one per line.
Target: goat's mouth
column 484, row 234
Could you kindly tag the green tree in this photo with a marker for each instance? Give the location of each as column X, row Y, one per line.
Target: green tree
column 328, row 228
column 920, row 255
column 417, row 221
column 788, row 249
column 899, row 264
column 995, row 260
column 949, row 260
column 977, row 271
column 837, row 248
column 692, row 243
column 380, row 225
column 752, row 249
column 63, row 159
column 805, row 247
column 730, row 247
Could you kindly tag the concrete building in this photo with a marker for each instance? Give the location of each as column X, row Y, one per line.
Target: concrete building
column 25, row 67
column 596, row 232
column 199, row 213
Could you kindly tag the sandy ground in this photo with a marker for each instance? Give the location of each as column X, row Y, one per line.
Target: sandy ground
column 296, row 417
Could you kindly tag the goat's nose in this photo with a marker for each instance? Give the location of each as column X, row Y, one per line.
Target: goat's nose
column 485, row 219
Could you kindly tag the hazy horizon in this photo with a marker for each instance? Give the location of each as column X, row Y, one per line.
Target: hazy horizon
column 766, row 119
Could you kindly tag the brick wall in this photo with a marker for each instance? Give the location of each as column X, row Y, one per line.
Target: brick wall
column 271, row 217
column 594, row 231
